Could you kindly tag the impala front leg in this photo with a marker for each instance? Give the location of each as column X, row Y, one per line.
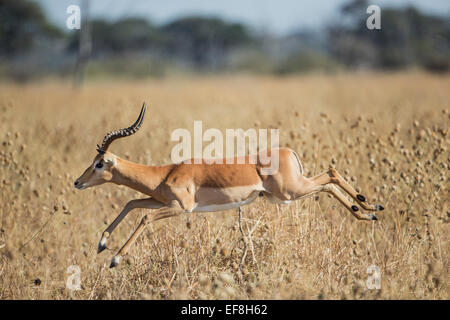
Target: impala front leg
column 173, row 210
column 148, row 203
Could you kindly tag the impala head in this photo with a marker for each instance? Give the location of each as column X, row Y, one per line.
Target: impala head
column 101, row 169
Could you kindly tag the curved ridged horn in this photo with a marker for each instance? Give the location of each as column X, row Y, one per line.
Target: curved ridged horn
column 113, row 135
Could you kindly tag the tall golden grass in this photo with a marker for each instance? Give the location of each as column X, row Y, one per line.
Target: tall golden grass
column 387, row 133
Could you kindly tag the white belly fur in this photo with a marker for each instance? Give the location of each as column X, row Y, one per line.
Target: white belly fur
column 275, row 200
column 225, row 206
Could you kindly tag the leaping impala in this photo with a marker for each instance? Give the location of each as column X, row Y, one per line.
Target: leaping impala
column 174, row 189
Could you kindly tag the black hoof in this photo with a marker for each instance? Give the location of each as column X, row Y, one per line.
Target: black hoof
column 361, row 198
column 380, row 207
column 373, row 217
column 115, row 261
column 355, row 208
column 101, row 247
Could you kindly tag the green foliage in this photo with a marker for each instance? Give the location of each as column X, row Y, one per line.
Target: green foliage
column 407, row 37
column 130, row 66
column 200, row 30
column 126, row 35
column 251, row 60
column 22, row 24
column 306, row 62
column 199, row 37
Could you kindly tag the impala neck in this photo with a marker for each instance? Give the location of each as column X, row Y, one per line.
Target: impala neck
column 145, row 179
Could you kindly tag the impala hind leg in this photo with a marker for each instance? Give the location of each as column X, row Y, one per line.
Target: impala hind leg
column 148, row 203
column 173, row 210
column 315, row 187
column 332, row 176
column 350, row 207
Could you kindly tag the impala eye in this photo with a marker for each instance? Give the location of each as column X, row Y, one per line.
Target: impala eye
column 99, row 165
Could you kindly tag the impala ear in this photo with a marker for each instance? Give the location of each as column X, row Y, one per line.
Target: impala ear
column 110, row 159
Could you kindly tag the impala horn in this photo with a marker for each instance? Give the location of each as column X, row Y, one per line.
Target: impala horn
column 113, row 135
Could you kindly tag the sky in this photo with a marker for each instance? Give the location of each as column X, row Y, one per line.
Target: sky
column 276, row 16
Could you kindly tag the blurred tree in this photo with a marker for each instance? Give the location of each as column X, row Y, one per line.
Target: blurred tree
column 354, row 7
column 205, row 40
column 134, row 34
column 126, row 35
column 407, row 37
column 22, row 25
column 305, row 61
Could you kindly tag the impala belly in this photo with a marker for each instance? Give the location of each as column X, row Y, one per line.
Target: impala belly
column 218, row 199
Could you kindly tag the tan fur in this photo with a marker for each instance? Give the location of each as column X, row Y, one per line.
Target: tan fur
column 188, row 187
column 188, row 183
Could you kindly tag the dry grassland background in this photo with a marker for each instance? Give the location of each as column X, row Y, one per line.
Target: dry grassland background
column 386, row 133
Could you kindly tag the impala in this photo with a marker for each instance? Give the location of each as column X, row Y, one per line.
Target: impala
column 187, row 187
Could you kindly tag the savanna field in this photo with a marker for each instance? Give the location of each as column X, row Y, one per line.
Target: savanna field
column 387, row 134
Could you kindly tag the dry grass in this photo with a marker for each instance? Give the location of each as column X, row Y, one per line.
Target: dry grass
column 388, row 134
